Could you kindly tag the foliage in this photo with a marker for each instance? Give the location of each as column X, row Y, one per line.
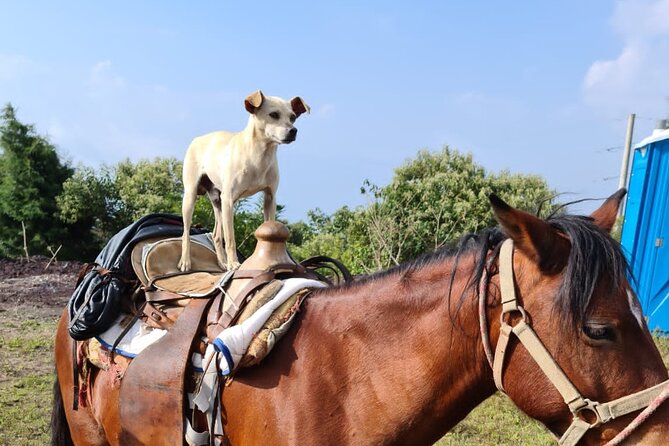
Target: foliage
column 341, row 235
column 432, row 200
column 115, row 196
column 31, row 176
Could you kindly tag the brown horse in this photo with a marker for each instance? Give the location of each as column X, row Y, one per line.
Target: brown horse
column 399, row 358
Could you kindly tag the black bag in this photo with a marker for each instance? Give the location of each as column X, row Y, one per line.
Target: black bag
column 96, row 302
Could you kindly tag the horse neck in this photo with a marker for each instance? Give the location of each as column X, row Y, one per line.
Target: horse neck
column 400, row 345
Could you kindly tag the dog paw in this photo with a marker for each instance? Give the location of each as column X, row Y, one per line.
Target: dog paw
column 184, row 265
column 232, row 265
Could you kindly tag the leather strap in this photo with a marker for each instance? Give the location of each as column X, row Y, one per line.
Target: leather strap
column 630, row 403
column 500, row 354
column 574, row 432
column 162, row 296
column 507, row 280
column 157, row 317
column 237, row 303
column 75, row 376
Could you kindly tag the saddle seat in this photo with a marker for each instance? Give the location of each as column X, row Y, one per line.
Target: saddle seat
column 155, row 264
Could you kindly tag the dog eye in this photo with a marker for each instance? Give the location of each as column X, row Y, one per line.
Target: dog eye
column 599, row 332
column 274, row 115
column 293, row 118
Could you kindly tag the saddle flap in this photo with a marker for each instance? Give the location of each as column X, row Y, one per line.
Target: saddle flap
column 151, row 394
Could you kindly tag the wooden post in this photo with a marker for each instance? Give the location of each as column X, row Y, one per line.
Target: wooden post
column 25, row 242
column 53, row 256
column 624, row 167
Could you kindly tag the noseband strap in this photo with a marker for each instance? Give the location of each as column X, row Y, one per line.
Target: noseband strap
column 513, row 321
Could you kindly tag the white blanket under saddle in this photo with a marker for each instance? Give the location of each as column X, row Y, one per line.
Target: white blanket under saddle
column 224, row 353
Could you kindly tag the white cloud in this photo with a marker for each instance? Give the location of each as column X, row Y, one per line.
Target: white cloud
column 637, row 80
column 326, row 110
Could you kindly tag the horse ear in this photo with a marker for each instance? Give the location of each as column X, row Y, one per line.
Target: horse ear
column 605, row 216
column 533, row 236
column 254, row 101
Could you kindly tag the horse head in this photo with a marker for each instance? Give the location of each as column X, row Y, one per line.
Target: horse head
column 571, row 289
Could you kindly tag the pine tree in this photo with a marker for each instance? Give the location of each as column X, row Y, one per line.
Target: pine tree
column 31, row 176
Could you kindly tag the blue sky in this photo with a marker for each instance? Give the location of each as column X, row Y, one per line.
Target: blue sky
column 532, row 87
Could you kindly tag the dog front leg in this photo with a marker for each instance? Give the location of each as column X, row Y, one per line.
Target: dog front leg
column 227, row 216
column 269, row 205
column 187, row 207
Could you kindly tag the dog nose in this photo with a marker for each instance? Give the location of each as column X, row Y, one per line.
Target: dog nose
column 293, row 133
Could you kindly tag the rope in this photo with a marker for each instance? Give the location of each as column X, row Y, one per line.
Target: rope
column 483, row 316
column 643, row 416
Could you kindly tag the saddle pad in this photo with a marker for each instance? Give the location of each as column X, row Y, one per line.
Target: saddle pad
column 158, row 265
column 138, row 337
column 235, row 340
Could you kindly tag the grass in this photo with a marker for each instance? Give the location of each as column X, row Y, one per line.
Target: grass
column 25, row 404
column 26, row 377
column 498, row 422
column 26, row 380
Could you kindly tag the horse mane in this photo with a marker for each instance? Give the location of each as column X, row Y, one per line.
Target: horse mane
column 595, row 258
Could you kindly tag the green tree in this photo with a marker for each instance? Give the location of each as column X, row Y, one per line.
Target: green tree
column 432, row 200
column 31, row 176
column 114, row 196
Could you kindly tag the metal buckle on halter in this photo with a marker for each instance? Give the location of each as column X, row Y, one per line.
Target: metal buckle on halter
column 518, row 309
column 591, row 407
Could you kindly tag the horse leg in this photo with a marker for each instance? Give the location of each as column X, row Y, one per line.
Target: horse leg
column 82, row 425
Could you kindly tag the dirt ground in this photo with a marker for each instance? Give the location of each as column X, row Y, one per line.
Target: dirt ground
column 31, row 290
column 32, row 298
column 35, row 283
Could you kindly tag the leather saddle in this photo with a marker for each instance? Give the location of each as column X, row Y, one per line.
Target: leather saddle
column 152, row 399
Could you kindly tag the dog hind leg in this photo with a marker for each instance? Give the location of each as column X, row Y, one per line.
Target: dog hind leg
column 215, row 197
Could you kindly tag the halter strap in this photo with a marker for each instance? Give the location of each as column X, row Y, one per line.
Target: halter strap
column 604, row 412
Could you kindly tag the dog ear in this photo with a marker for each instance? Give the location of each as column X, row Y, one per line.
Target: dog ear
column 299, row 106
column 254, row 101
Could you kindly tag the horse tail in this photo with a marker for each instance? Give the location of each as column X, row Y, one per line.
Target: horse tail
column 60, row 431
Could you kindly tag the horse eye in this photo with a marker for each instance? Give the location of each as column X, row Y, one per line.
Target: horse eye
column 599, row 332
column 274, row 115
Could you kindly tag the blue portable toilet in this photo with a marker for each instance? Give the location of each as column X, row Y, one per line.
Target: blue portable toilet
column 645, row 233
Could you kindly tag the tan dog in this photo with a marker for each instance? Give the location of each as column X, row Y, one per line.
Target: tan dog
column 229, row 166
